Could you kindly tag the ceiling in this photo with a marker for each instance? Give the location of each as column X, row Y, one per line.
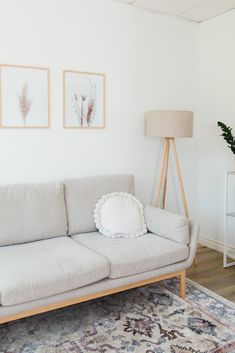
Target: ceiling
column 194, row 10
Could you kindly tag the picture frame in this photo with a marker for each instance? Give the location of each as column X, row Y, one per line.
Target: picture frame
column 83, row 100
column 24, row 96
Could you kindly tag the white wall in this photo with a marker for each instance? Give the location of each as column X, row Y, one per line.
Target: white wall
column 150, row 62
column 216, row 102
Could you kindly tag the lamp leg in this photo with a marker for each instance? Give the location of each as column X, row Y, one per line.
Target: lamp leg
column 157, row 193
column 181, row 187
column 180, row 180
column 166, row 172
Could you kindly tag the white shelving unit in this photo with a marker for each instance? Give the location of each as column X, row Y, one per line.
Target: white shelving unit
column 227, row 214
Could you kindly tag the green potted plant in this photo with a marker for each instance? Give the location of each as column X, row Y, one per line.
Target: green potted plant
column 227, row 135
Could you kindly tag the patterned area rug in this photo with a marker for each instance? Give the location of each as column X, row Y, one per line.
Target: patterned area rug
column 151, row 319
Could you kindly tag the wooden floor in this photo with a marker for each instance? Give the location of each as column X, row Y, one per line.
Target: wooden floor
column 211, row 274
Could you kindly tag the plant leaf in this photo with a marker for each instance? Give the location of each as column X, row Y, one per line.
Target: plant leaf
column 227, row 135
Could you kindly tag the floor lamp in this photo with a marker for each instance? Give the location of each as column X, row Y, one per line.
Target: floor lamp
column 169, row 124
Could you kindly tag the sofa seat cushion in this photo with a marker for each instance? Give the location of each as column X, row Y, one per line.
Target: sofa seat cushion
column 40, row 269
column 132, row 256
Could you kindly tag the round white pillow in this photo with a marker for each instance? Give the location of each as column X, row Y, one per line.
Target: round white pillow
column 120, row 215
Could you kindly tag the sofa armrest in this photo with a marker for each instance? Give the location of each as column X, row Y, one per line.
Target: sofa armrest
column 167, row 224
column 173, row 227
column 194, row 229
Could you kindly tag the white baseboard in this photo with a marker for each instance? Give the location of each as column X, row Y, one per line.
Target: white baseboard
column 215, row 245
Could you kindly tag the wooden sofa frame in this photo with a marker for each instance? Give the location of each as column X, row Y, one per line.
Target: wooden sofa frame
column 54, row 306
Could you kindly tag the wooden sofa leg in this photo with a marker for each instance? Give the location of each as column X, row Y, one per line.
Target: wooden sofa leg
column 182, row 284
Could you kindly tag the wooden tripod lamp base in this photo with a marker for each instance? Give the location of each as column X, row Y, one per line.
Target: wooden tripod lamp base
column 162, row 183
column 175, row 124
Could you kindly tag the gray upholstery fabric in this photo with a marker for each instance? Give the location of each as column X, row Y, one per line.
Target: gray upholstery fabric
column 31, row 212
column 104, row 284
column 131, row 256
column 107, row 283
column 42, row 268
column 167, row 224
column 82, row 194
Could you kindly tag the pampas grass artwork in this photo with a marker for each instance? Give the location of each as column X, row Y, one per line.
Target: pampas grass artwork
column 90, row 111
column 25, row 103
column 84, row 107
column 24, row 98
column 83, row 100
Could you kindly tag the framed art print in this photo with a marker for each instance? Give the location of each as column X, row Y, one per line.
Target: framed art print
column 83, row 100
column 24, row 97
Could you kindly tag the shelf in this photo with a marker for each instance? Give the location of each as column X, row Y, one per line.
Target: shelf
column 227, row 193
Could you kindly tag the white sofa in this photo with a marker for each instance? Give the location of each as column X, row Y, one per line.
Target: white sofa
column 52, row 256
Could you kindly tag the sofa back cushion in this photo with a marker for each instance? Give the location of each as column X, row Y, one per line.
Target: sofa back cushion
column 31, row 212
column 81, row 196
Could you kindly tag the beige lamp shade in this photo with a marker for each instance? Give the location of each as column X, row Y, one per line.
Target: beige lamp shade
column 169, row 123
